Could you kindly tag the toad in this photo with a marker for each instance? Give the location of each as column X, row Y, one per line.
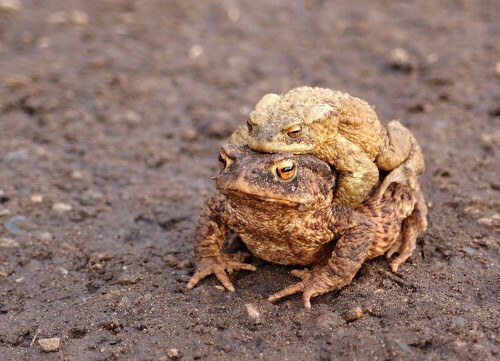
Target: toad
column 282, row 207
column 340, row 129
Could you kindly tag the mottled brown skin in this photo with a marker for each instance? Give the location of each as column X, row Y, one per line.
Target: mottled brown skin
column 338, row 128
column 295, row 222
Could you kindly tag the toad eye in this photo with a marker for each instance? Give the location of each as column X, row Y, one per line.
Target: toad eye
column 286, row 170
column 249, row 126
column 222, row 160
column 294, row 131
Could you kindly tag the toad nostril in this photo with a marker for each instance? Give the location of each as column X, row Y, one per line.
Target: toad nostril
column 253, row 171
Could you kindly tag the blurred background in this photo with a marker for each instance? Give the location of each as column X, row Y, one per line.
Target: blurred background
column 111, row 118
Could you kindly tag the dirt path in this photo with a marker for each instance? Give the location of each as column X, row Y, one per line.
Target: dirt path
column 111, row 117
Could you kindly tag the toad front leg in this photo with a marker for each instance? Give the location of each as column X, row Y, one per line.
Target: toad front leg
column 358, row 232
column 209, row 242
column 357, row 172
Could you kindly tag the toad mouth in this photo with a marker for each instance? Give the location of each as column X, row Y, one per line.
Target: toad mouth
column 263, row 198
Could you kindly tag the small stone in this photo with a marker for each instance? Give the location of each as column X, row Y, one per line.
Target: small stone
column 252, row 312
column 492, row 221
column 10, row 5
column 79, row 17
column 43, row 42
column 354, row 314
column 14, row 81
column 470, row 251
column 17, row 156
column 50, row 344
column 111, row 324
column 459, row 345
column 195, row 51
column 76, row 174
column 185, row 263
column 170, row 260
column 403, row 346
column 400, row 59
column 127, row 280
column 18, row 225
column 45, row 236
column 36, row 198
column 173, row 353
column 8, row 243
column 131, row 117
column 61, row 207
column 497, row 69
column 220, row 288
column 4, row 212
column 189, row 134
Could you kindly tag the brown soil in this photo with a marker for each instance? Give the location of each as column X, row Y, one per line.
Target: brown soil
column 119, row 111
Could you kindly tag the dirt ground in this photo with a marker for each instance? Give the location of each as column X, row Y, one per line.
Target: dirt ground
column 112, row 115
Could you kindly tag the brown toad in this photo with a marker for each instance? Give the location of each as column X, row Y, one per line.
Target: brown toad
column 282, row 207
column 340, row 129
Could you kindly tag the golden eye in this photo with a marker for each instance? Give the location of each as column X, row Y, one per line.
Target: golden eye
column 249, row 126
column 294, row 131
column 222, row 160
column 286, row 170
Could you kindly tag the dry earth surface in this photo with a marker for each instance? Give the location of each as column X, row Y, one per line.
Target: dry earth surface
column 112, row 114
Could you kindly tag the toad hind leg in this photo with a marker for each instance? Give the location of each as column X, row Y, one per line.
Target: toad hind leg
column 412, row 227
column 395, row 148
column 407, row 172
column 359, row 232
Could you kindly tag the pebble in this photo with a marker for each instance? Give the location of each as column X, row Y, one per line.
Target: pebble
column 4, row 212
column 184, row 264
column 403, row 346
column 173, row 353
column 127, row 280
column 195, row 51
column 17, row 156
column 45, row 236
column 14, row 81
column 111, row 324
column 252, row 312
column 470, row 251
column 497, row 69
column 492, row 221
column 8, row 243
column 18, row 225
column 131, row 117
column 79, row 17
column 11, row 5
column 354, row 314
column 189, row 134
column 50, row 344
column 400, row 59
column 170, row 260
column 60, row 207
column 36, row 198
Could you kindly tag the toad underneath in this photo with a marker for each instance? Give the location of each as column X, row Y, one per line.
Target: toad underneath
column 340, row 129
column 282, row 207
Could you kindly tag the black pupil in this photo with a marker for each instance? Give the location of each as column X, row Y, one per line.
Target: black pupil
column 287, row 168
column 222, row 160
